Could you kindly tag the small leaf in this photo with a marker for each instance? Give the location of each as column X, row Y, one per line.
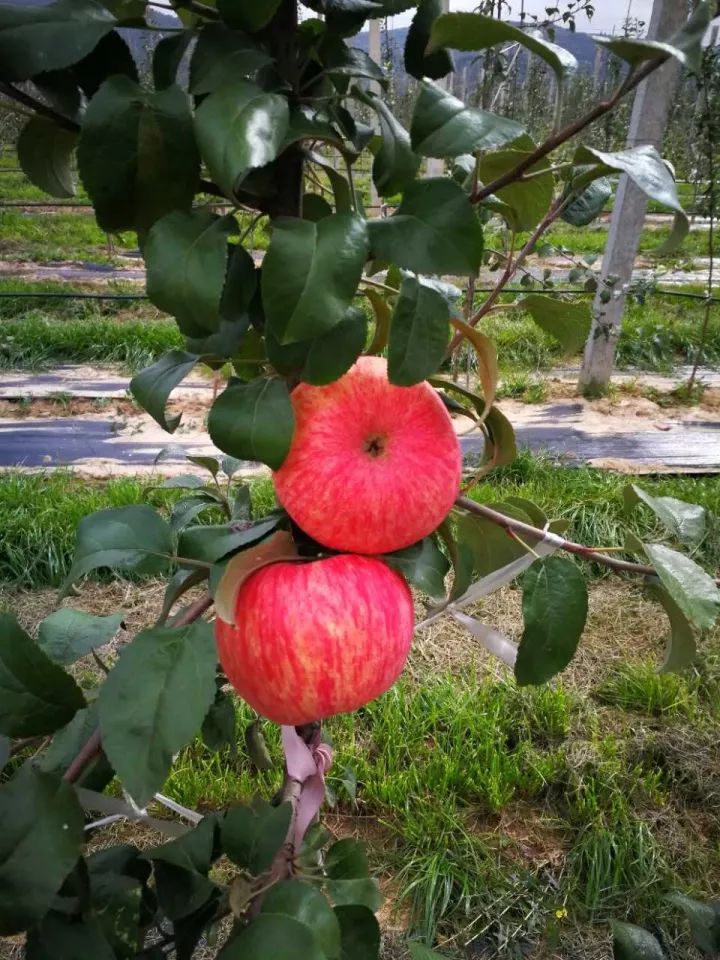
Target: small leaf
column 555, row 605
column 687, row 583
column 153, row 385
column 186, row 260
column 303, row 902
column 487, row 362
column 59, row 936
column 180, row 869
column 256, row 746
column 395, row 164
column 40, row 842
column 332, row 354
column 167, row 58
column 359, row 933
column 420, row 952
column 634, row 943
column 418, row 62
column 310, row 274
column 423, row 565
column 528, row 201
column 273, row 937
column 240, row 127
column 222, row 54
column 67, row 635
column 443, row 126
column 45, row 152
column 489, row 544
column 254, row 421
column 252, row 836
column 685, row 521
column 132, row 538
column 364, row 892
column 704, row 919
column 418, row 333
column 153, row 702
column 279, row 547
column 219, row 728
column 248, row 16
column 588, row 204
column 210, row 543
column 434, row 230
column 568, row 322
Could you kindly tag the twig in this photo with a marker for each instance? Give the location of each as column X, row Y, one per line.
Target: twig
column 514, row 526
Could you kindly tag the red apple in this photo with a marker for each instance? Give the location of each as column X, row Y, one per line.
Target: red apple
column 319, row 638
column 372, row 467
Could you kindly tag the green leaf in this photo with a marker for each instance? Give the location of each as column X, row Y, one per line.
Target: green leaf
column 423, row 565
column 136, row 155
column 634, row 943
column 45, row 152
column 248, row 16
column 568, row 322
column 434, row 230
column 588, row 204
column 254, row 421
column 339, row 60
column 186, row 260
column 124, row 538
column 362, row 891
column 36, row 39
column 40, row 842
column 419, row 333
column 153, row 702
column 61, row 937
column 153, row 385
column 332, row 354
column 167, row 58
column 528, row 201
column 686, row 522
column 680, row 650
column 67, row 635
column 488, row 544
column 418, row 62
column 474, row 31
column 687, row 583
column 443, row 126
column 4, row 751
column 180, row 868
column 219, row 728
column 555, row 605
column 420, row 952
column 704, row 919
column 395, row 164
column 66, row 743
column 222, row 54
column 359, row 933
column 36, row 695
column 273, row 937
column 240, row 127
column 294, row 898
column 347, row 860
column 256, row 747
column 310, row 274
column 252, row 836
column 111, row 56
column 339, row 184
column 212, row 543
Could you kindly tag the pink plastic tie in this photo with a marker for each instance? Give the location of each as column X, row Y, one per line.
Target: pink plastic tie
column 308, row 765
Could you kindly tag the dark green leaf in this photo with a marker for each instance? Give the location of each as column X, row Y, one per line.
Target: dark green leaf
column 124, row 538
column 45, row 152
column 419, row 333
column 111, row 56
column 153, row 385
column 240, row 127
column 153, row 702
column 310, row 274
column 187, row 509
column 528, row 201
column 212, row 543
column 339, row 184
column 589, row 204
column 685, row 521
column 248, row 16
column 297, row 899
column 347, row 860
column 536, row 515
column 117, row 901
column 256, row 747
column 222, row 54
column 251, row 836
column 36, row 695
column 359, row 933
column 186, row 260
column 38, row 38
column 704, row 919
column 687, row 583
column 4, row 751
column 273, row 937
column 167, row 58
column 137, row 156
column 60, row 937
column 342, row 61
column 219, row 726
column 555, row 605
column 40, row 842
column 66, row 743
column 361, row 891
column 488, row 544
column 332, row 354
column 634, row 943
column 443, row 126
column 181, row 869
column 395, row 164
column 423, row 565
column 254, row 421
column 188, row 930
column 568, row 322
column 434, row 230
column 418, row 62
column 67, row 635
column 315, row 207
column 474, row 31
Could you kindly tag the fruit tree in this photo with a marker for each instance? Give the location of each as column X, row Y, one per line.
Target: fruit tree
column 338, row 342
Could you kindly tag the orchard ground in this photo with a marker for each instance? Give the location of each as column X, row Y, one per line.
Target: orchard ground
column 519, row 821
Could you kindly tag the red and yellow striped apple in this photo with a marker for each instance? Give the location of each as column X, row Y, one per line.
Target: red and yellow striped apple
column 314, row 639
column 372, row 467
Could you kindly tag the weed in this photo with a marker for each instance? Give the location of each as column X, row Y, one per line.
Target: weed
column 640, row 687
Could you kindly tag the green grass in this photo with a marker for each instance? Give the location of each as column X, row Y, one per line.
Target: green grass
column 640, row 687
column 56, row 236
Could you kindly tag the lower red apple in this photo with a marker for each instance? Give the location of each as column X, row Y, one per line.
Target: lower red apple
column 314, row 639
column 372, row 467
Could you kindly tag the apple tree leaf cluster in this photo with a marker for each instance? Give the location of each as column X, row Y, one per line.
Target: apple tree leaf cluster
column 254, row 118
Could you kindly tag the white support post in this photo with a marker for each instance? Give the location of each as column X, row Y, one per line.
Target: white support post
column 647, row 126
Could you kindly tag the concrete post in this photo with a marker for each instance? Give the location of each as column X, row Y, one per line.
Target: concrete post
column 436, row 167
column 647, row 126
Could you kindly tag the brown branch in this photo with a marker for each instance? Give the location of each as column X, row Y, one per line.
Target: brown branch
column 587, row 553
column 93, row 745
column 567, row 133
column 38, row 106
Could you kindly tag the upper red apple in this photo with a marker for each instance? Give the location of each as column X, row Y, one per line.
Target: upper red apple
column 372, row 467
column 319, row 638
